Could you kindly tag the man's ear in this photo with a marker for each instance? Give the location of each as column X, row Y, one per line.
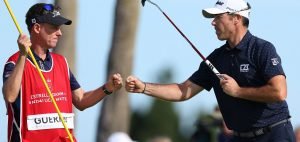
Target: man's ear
column 237, row 18
column 36, row 28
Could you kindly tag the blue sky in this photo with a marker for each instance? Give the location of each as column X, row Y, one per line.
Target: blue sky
column 272, row 20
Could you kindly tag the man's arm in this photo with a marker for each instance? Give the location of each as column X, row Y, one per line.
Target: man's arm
column 274, row 91
column 12, row 85
column 83, row 100
column 168, row 92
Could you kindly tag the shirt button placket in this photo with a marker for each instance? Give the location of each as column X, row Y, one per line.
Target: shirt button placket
column 232, row 60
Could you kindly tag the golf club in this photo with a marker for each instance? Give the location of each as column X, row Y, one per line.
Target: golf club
column 208, row 63
column 40, row 73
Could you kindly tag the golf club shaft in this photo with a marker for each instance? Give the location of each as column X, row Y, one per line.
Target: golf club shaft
column 183, row 35
column 208, row 63
column 40, row 73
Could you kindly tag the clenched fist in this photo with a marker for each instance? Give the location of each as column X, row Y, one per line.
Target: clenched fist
column 229, row 85
column 24, row 44
column 134, row 85
column 115, row 82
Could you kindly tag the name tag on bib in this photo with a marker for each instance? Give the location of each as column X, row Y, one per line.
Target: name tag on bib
column 49, row 121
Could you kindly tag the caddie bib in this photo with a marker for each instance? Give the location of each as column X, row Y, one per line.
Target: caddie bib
column 39, row 120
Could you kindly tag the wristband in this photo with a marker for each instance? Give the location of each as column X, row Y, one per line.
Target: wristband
column 105, row 90
column 144, row 88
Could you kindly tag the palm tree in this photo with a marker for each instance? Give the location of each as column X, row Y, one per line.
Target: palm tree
column 66, row 46
column 115, row 113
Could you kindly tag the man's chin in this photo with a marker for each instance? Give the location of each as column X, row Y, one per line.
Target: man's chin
column 221, row 39
column 53, row 45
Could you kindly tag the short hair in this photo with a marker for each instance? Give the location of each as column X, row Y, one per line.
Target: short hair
column 245, row 21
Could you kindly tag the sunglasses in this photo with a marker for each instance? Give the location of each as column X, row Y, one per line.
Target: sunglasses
column 49, row 8
column 247, row 8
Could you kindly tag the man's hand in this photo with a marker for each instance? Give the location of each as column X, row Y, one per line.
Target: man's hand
column 114, row 83
column 229, row 85
column 134, row 85
column 24, row 44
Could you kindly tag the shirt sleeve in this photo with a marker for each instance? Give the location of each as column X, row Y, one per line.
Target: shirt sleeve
column 8, row 68
column 202, row 77
column 270, row 62
column 73, row 82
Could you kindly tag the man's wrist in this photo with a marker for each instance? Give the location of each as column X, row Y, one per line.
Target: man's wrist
column 107, row 92
column 144, row 87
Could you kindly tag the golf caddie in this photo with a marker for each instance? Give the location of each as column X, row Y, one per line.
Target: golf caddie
column 31, row 114
column 252, row 91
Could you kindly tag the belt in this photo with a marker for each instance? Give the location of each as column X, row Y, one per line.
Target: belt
column 260, row 131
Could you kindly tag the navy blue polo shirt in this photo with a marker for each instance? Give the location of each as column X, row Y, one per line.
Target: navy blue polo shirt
column 251, row 63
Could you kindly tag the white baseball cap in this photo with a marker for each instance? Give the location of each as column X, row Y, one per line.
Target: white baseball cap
column 240, row 7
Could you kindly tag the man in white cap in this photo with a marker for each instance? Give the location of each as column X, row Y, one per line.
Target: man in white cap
column 252, row 93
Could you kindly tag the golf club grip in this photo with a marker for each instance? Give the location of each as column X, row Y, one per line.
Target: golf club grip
column 212, row 68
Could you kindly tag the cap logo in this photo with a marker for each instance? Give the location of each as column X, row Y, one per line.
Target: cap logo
column 55, row 13
column 33, row 20
column 230, row 9
column 219, row 3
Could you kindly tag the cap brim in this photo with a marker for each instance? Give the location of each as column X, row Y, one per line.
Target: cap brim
column 59, row 20
column 212, row 12
column 54, row 20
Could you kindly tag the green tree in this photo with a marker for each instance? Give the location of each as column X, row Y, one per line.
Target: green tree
column 161, row 120
column 208, row 126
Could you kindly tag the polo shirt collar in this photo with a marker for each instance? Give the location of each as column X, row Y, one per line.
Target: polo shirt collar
column 37, row 58
column 243, row 43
